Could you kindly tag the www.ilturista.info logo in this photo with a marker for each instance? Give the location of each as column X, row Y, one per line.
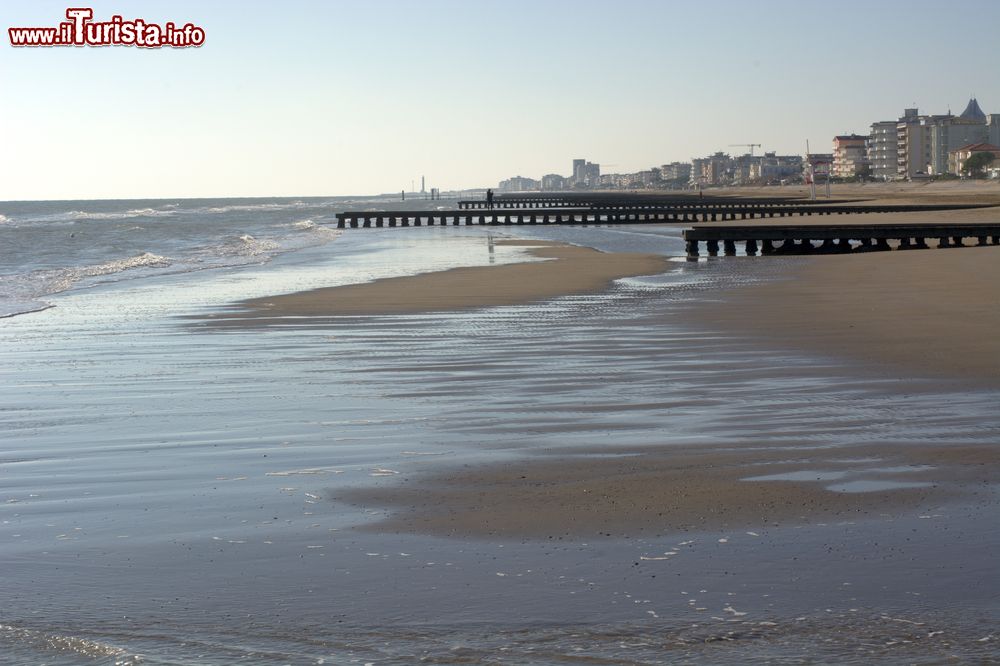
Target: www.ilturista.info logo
column 80, row 30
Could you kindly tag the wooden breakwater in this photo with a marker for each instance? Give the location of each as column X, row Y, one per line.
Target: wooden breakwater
column 704, row 212
column 805, row 239
column 643, row 202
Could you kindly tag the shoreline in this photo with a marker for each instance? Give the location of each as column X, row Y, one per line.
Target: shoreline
column 565, row 270
column 903, row 314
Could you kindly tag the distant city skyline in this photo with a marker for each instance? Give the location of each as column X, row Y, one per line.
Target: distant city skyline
column 363, row 97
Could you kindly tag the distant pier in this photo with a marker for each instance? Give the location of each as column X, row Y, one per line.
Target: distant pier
column 640, row 202
column 768, row 238
column 713, row 211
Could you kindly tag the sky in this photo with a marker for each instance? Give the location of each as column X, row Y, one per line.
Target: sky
column 341, row 97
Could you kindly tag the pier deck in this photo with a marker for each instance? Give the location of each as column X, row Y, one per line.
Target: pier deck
column 799, row 239
column 709, row 211
column 645, row 202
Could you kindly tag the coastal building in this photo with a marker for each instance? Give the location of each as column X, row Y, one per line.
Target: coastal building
column 774, row 168
column 850, row 155
column 913, row 150
column 973, row 113
column 948, row 133
column 993, row 128
column 883, row 150
column 585, row 174
column 821, row 163
column 650, row 177
column 615, row 181
column 698, row 171
column 676, row 171
column 958, row 157
column 743, row 168
column 553, row 182
column 518, row 184
column 715, row 169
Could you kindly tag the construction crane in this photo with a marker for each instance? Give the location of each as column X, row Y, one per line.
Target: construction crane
column 751, row 146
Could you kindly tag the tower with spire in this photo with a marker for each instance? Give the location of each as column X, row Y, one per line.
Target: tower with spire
column 973, row 113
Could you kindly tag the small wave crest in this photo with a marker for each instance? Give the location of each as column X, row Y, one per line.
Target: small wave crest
column 20, row 294
column 144, row 260
column 73, row 216
column 314, row 227
column 124, row 215
column 260, row 207
column 4, row 219
column 244, row 245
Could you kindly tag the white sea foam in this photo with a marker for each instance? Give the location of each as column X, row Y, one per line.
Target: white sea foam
column 135, row 212
column 4, row 219
column 252, row 246
column 72, row 216
column 144, row 260
column 250, row 208
column 57, row 643
column 315, row 227
column 20, row 294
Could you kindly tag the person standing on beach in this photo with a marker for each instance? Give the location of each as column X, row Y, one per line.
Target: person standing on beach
column 489, row 199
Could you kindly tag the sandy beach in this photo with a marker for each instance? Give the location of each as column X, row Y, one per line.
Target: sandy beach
column 566, row 270
column 599, row 457
column 906, row 315
column 674, row 489
column 909, row 315
column 932, row 312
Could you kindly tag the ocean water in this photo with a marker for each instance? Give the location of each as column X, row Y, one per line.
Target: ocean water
column 168, row 490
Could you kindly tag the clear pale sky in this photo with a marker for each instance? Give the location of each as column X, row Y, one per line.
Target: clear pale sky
column 340, row 97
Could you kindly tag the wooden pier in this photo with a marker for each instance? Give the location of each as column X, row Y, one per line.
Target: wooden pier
column 800, row 239
column 708, row 211
column 636, row 202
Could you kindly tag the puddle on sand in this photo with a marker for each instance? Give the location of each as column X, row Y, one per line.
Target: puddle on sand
column 854, row 486
column 899, row 469
column 874, row 485
column 801, row 475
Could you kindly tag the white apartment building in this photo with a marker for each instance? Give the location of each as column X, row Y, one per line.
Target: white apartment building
column 849, row 155
column 913, row 153
column 883, row 150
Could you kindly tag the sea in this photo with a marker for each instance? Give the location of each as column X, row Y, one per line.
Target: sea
column 168, row 489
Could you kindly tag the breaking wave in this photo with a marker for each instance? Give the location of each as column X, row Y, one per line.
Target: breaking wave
column 261, row 207
column 72, row 216
column 20, row 294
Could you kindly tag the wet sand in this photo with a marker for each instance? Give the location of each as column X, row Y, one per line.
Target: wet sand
column 919, row 313
column 913, row 314
column 568, row 270
column 669, row 490
column 910, row 315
